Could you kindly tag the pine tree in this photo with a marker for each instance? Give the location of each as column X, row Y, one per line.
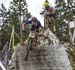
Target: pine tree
column 13, row 16
column 64, row 11
column 18, row 8
column 3, row 31
column 3, row 13
column 17, row 11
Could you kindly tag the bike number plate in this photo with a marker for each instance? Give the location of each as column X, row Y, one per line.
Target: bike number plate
column 32, row 35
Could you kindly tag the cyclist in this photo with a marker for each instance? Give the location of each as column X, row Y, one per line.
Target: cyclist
column 49, row 15
column 35, row 26
column 50, row 10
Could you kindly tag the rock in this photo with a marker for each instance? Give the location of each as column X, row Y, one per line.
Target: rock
column 48, row 57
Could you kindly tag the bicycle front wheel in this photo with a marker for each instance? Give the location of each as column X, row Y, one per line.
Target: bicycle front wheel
column 30, row 45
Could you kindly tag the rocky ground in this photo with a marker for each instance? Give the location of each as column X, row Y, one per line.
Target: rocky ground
column 47, row 57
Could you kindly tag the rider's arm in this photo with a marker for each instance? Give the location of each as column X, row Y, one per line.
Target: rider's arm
column 42, row 28
column 40, row 24
column 27, row 22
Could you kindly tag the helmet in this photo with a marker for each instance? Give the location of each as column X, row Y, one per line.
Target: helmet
column 34, row 19
column 46, row 3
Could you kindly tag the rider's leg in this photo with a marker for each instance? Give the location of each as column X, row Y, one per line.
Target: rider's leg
column 36, row 38
column 52, row 22
column 46, row 19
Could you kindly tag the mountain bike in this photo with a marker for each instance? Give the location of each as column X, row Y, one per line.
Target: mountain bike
column 31, row 40
column 49, row 21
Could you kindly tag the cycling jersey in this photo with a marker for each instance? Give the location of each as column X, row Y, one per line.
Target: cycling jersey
column 36, row 28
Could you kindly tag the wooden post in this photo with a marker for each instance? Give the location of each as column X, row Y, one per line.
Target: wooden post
column 73, row 39
column 13, row 38
column 74, row 30
column 54, row 28
column 69, row 33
